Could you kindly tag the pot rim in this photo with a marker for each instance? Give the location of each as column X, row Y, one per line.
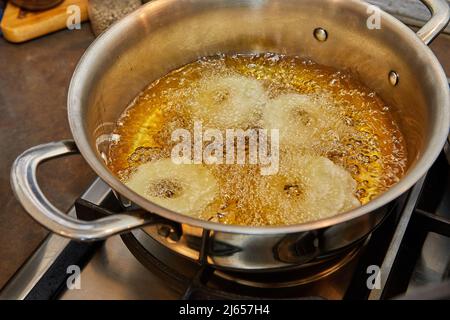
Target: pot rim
column 413, row 175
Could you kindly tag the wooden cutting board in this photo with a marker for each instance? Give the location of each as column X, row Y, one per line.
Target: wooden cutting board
column 20, row 25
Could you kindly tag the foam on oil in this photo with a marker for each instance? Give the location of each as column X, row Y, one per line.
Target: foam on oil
column 338, row 140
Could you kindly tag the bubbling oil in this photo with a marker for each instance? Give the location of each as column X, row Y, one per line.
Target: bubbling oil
column 349, row 137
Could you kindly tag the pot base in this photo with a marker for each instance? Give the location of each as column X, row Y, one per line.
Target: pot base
column 190, row 273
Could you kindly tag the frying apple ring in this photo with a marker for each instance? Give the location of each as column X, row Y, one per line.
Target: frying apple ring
column 310, row 188
column 231, row 101
column 184, row 188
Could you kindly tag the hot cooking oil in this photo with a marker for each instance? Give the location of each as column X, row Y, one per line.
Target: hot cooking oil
column 341, row 150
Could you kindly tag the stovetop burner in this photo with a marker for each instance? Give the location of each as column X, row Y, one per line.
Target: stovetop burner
column 187, row 276
column 411, row 250
column 160, row 260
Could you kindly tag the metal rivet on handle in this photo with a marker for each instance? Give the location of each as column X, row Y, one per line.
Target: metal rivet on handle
column 394, row 78
column 320, row 34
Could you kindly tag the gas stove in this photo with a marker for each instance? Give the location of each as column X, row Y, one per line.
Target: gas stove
column 407, row 257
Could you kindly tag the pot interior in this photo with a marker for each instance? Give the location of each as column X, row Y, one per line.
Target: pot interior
column 167, row 34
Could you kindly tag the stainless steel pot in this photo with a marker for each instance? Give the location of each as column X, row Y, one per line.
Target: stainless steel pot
column 167, row 34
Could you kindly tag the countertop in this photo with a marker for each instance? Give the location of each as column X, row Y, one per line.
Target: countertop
column 34, row 78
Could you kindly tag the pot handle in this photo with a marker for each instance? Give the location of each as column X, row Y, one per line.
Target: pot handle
column 440, row 11
column 25, row 186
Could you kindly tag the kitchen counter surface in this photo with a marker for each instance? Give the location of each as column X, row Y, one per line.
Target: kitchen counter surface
column 34, row 78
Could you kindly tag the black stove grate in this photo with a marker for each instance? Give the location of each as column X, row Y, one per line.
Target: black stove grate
column 204, row 284
column 422, row 223
column 425, row 218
